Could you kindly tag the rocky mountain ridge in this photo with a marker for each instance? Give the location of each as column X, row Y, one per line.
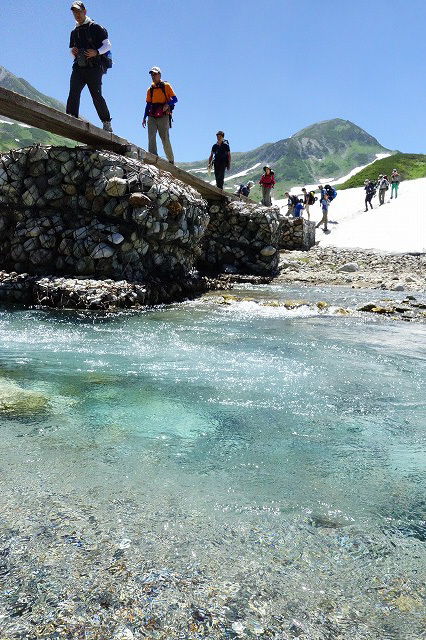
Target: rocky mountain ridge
column 325, row 150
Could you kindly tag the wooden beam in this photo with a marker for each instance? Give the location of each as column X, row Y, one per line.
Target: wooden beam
column 27, row 111
column 17, row 107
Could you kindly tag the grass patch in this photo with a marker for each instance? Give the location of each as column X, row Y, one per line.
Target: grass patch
column 410, row 166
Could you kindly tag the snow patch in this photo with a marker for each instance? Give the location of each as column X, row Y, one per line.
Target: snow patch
column 243, row 173
column 25, row 126
column 398, row 226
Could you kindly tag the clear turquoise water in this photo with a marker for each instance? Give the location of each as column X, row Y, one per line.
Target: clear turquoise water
column 279, row 456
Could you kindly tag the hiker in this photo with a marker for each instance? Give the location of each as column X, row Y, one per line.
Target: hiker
column 268, row 182
column 395, row 180
column 324, row 208
column 160, row 102
column 244, row 189
column 308, row 199
column 298, row 209
column 88, row 43
column 221, row 158
column 291, row 203
column 370, row 192
column 383, row 187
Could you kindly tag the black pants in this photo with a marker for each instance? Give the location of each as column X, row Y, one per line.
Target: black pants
column 92, row 76
column 219, row 172
column 368, row 201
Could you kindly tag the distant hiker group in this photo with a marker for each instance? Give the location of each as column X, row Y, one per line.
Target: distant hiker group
column 382, row 185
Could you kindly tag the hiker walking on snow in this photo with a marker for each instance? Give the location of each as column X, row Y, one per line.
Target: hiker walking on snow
column 383, row 187
column 370, row 191
column 160, row 101
column 291, row 203
column 324, row 208
column 221, row 158
column 268, row 183
column 88, row 43
column 308, row 199
column 395, row 180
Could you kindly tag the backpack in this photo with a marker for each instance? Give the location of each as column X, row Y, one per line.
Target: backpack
column 331, row 193
column 311, row 198
column 105, row 58
column 243, row 191
column 294, row 200
column 163, row 89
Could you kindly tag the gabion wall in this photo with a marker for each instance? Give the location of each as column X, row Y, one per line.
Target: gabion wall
column 83, row 212
column 242, row 238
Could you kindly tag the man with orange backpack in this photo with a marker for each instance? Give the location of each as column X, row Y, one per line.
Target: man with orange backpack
column 160, row 102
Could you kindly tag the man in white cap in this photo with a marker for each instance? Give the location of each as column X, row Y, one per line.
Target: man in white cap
column 88, row 43
column 160, row 101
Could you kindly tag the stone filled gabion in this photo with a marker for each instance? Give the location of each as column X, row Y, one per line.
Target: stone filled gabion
column 80, row 212
column 242, row 238
column 296, row 233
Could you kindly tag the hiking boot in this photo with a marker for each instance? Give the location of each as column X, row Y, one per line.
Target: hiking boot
column 107, row 126
column 365, row 209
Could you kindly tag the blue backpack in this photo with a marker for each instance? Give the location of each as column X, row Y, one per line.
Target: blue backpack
column 331, row 193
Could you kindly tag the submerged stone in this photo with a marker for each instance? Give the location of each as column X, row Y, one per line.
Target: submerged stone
column 15, row 401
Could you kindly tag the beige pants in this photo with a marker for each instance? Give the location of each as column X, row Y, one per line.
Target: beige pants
column 307, row 210
column 162, row 125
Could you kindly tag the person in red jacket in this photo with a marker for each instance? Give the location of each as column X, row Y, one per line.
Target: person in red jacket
column 267, row 181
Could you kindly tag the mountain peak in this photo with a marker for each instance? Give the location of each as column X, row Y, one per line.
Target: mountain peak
column 325, row 150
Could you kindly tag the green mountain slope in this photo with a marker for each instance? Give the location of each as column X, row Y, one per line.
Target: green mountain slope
column 328, row 149
column 409, row 165
column 14, row 135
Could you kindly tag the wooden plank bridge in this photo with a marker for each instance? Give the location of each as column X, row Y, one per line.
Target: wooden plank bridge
column 35, row 114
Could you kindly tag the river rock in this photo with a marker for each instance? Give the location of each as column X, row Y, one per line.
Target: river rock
column 123, row 633
column 116, row 187
column 349, row 267
column 102, row 250
column 15, row 401
column 116, row 238
column 268, row 251
column 139, row 200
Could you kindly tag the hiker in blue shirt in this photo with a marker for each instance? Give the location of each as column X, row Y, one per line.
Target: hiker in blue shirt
column 298, row 209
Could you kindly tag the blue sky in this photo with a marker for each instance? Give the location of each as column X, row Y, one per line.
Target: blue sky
column 259, row 70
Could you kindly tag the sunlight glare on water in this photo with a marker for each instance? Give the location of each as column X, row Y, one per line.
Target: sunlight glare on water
column 279, row 450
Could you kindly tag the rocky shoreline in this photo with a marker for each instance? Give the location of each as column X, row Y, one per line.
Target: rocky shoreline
column 360, row 269
column 99, row 294
column 319, row 266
